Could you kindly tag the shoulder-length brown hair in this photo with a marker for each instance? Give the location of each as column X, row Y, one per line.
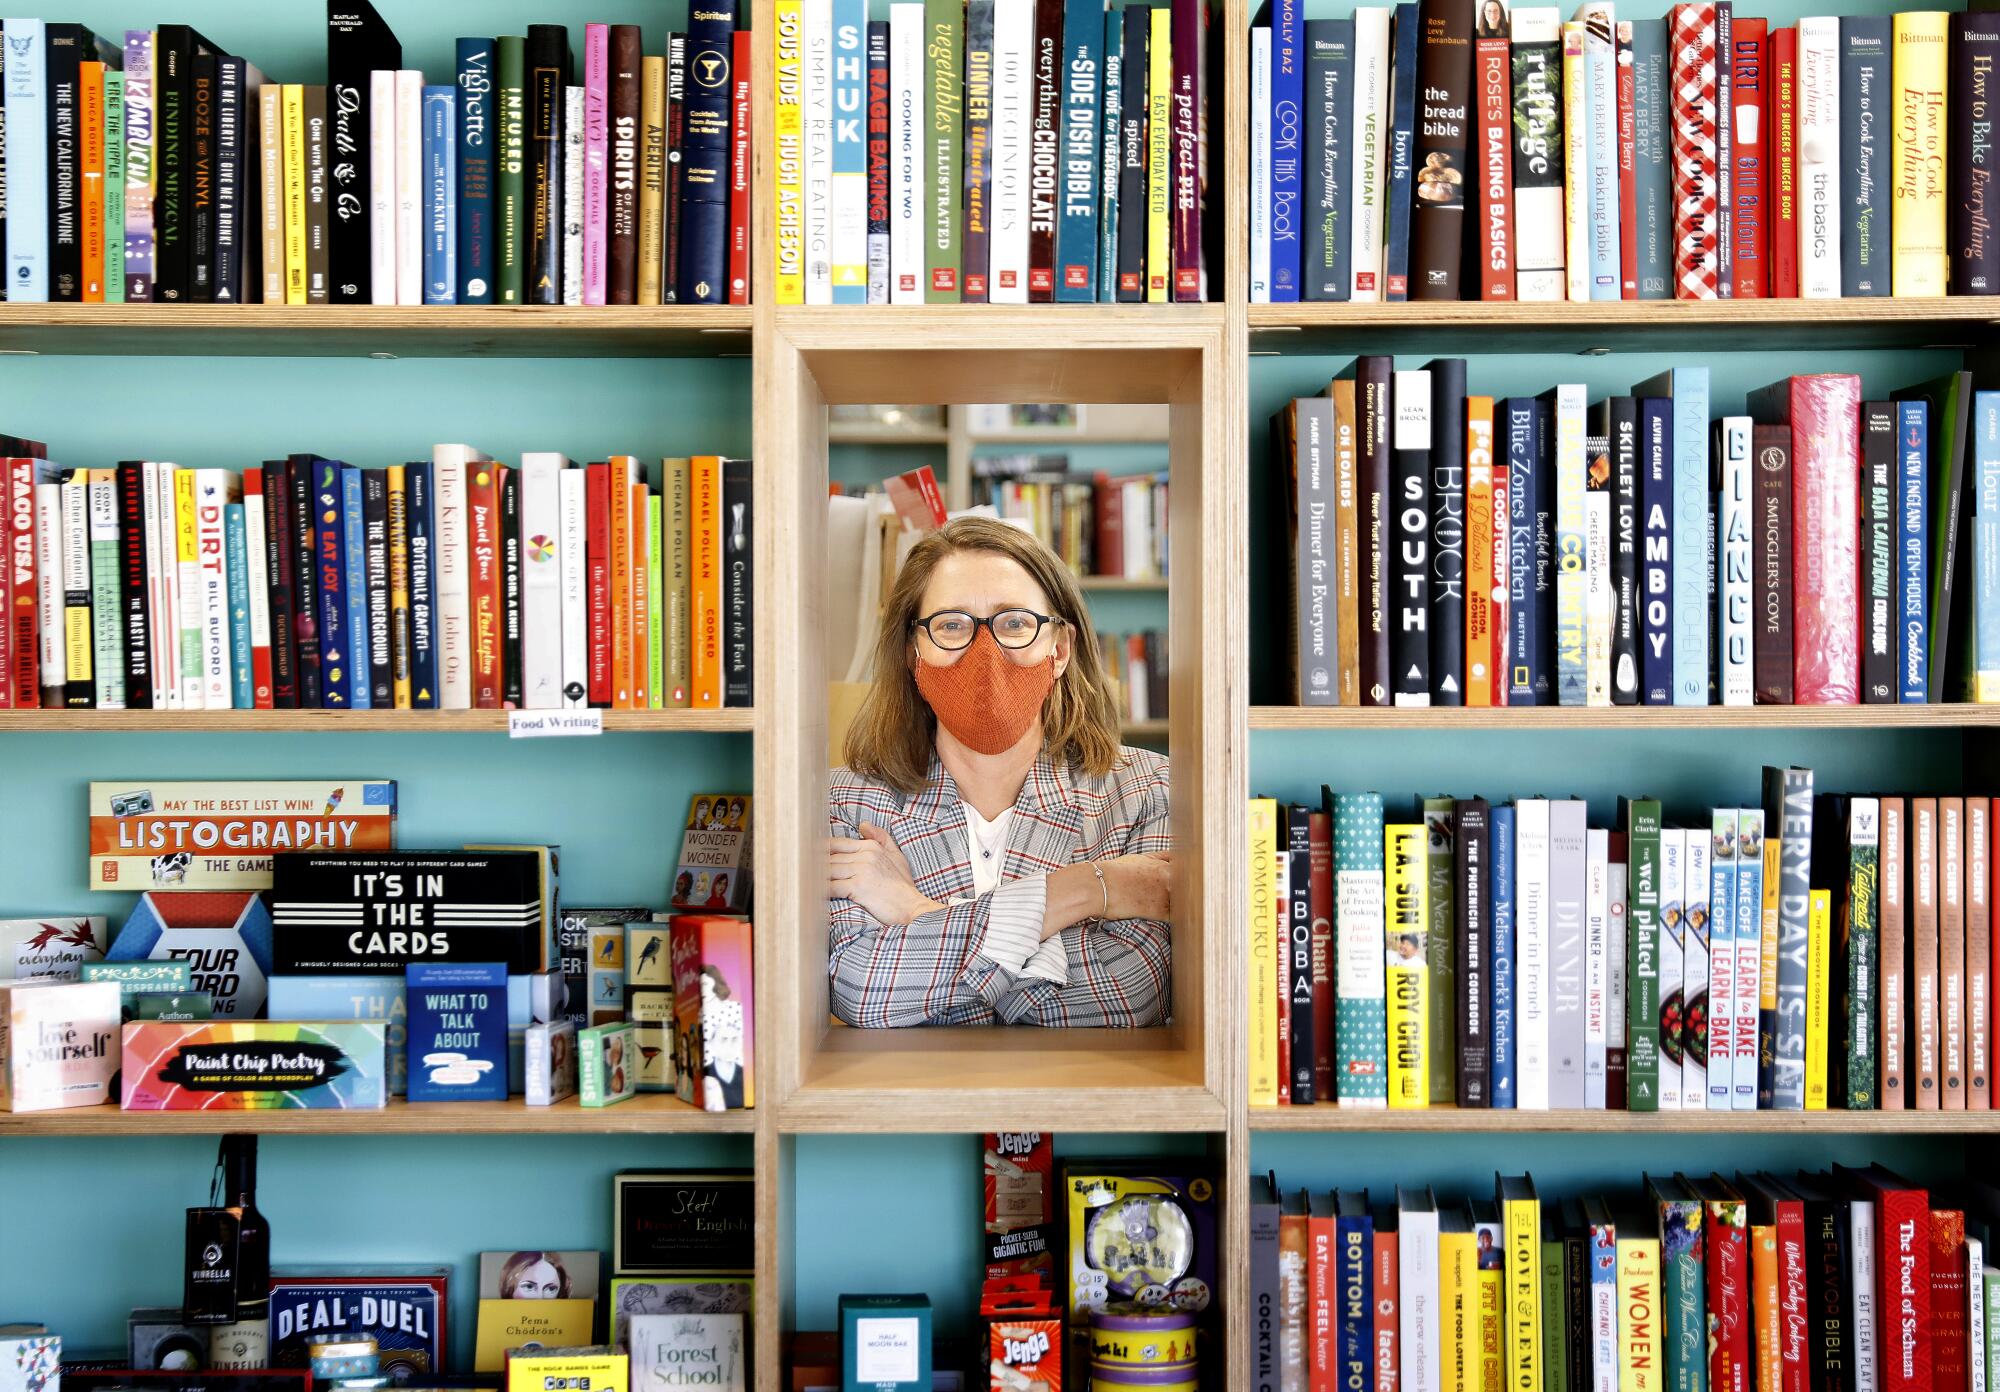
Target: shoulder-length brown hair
column 894, row 733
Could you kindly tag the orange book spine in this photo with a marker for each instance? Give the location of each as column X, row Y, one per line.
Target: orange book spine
column 642, row 608
column 1479, row 523
column 1764, row 1289
column 90, row 109
column 1924, row 949
column 621, row 581
column 705, row 628
column 482, row 509
column 1951, row 950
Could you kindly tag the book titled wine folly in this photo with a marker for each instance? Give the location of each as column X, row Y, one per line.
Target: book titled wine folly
column 343, row 914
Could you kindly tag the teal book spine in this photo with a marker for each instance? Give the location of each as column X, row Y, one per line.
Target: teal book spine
column 1077, row 182
column 236, row 544
column 1361, row 1036
column 1684, row 1330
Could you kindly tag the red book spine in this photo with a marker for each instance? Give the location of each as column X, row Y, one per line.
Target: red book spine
column 1826, row 525
column 1321, row 1343
column 1189, row 25
column 1792, row 1295
column 1628, row 171
column 1320, row 832
column 1949, row 1371
column 1109, row 553
column 1691, row 64
column 19, row 528
column 482, row 509
column 597, row 575
column 260, row 653
column 1493, row 90
column 1903, row 1246
column 1730, row 1368
column 1388, row 1360
column 9, row 636
column 1749, row 232
column 741, row 62
column 1784, row 243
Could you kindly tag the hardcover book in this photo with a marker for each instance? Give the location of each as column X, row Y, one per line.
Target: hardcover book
column 457, row 1030
column 688, row 1351
column 224, row 835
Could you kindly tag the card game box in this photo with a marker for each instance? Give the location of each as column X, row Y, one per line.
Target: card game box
column 338, row 915
column 401, row 1307
column 224, row 835
column 254, row 1065
column 52, row 945
column 224, row 937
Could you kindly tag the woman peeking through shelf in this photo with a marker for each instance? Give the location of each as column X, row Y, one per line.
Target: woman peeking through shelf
column 996, row 855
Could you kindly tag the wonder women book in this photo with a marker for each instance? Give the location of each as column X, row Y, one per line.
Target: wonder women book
column 254, row 1065
column 223, row 835
column 713, row 874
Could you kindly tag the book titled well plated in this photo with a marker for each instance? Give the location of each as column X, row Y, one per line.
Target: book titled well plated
column 146, row 835
column 337, row 915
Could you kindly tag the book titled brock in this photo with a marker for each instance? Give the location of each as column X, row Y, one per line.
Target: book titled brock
column 335, row 914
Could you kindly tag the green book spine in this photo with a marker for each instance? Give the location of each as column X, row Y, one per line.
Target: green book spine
column 1992, row 1280
column 1642, row 977
column 1439, row 823
column 1863, row 952
column 654, row 545
column 944, row 41
column 114, row 186
column 1684, row 1331
column 1361, row 1035
column 510, row 218
column 107, row 635
column 1555, row 1332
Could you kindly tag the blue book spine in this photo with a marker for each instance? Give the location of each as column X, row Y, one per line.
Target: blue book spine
column 1354, row 1304
column 421, row 520
column 354, row 561
column 337, row 682
column 1082, row 108
column 1722, row 934
column 1686, row 390
column 850, row 137
column 1864, row 155
column 440, row 195
column 1601, row 69
column 236, row 541
column 1912, row 561
column 1288, row 67
column 475, row 171
column 457, row 1023
column 702, row 275
column 1527, row 677
column 1107, row 156
column 1407, row 38
column 1986, row 546
column 1653, row 180
column 26, row 78
column 1656, row 576
column 1502, row 1091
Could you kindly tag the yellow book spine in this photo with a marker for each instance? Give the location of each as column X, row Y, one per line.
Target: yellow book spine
column 652, row 176
column 1819, row 1006
column 1491, row 1376
column 1458, row 1292
column 1263, row 953
column 1639, row 1316
column 295, row 193
column 791, row 253
column 1159, row 121
column 1523, row 1222
column 1409, row 984
column 187, row 554
column 1918, row 262
column 399, row 585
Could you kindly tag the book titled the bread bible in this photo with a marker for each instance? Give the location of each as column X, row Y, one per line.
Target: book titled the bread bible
column 1444, row 106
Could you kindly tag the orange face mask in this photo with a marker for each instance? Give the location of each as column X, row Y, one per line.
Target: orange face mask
column 986, row 699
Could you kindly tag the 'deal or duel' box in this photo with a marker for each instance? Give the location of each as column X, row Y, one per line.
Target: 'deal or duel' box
column 254, row 1065
column 401, row 1307
column 223, row 835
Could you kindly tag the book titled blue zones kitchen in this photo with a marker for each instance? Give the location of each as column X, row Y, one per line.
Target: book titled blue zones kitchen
column 457, row 1031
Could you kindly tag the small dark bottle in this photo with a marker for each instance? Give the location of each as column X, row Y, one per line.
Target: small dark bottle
column 253, row 1232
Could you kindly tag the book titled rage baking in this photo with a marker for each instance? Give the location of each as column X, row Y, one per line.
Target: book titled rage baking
column 335, row 915
column 223, row 835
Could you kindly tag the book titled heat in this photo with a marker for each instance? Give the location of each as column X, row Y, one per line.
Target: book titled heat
column 146, row 836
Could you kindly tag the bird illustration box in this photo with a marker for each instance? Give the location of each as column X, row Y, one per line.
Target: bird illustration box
column 223, row 935
column 254, row 1065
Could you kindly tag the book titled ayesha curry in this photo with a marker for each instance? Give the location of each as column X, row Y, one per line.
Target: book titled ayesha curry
column 457, row 1025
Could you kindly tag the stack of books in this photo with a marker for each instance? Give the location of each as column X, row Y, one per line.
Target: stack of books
column 1104, row 524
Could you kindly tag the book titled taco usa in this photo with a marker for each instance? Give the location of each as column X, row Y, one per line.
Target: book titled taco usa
column 223, row 835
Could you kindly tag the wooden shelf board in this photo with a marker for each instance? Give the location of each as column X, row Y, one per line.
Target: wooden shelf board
column 854, row 433
column 1144, row 729
column 648, row 1112
column 1119, row 582
column 1627, row 718
column 1477, row 1120
column 1055, row 436
column 409, row 722
column 333, row 331
column 1619, row 325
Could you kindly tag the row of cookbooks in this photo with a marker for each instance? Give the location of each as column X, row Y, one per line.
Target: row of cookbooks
column 1848, row 1277
column 1100, row 524
column 453, row 583
column 153, row 165
column 1823, row 546
column 1003, row 151
column 1451, row 149
column 1811, row 952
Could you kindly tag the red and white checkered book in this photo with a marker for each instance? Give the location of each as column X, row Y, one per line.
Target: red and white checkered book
column 1691, row 41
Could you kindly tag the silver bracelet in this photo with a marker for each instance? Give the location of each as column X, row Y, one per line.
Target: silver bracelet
column 1103, row 886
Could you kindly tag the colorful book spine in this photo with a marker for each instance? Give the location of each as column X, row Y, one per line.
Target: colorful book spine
column 25, row 100
column 440, row 195
column 1263, row 977
column 1159, row 129
column 789, row 128
column 878, row 167
column 1190, row 75
column 1082, row 63
column 1110, row 162
column 944, row 23
column 1530, row 645
column 476, row 112
column 1600, row 57
column 1722, row 962
column 113, row 227
column 238, row 543
column 1406, row 914
column 1361, row 1066
column 107, row 663
column 1642, row 1002
column 1539, row 144
column 139, row 109
column 849, row 192
column 1503, row 1089
column 330, row 573
column 257, row 578
column 1691, row 42
column 354, row 562
column 1749, row 228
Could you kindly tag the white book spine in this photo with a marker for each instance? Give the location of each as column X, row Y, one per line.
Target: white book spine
column 1568, row 842
column 257, row 561
column 1371, row 148
column 1361, row 979
column 1722, row 950
column 409, row 187
column 1531, row 952
column 1975, row 1321
column 156, row 572
column 109, row 678
column 1819, row 158
column 1013, row 66
column 1749, row 952
column 211, row 496
column 1417, row 1298
column 906, row 120
column 1596, row 960
column 454, row 607
column 541, row 580
column 1695, row 919
column 187, row 600
column 1673, row 885
column 1260, row 164
column 1734, row 619
column 1601, row 64
column 1538, row 200
column 1614, row 976
column 572, row 206
column 819, row 150
column 1576, row 161
column 25, row 100
column 167, row 584
column 575, row 595
column 1861, row 1291
column 382, row 186
column 1138, row 530
column 49, row 583
column 1603, row 1329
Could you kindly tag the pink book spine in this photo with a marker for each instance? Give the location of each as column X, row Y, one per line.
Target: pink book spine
column 1691, row 44
column 728, row 1029
column 596, row 157
column 1826, row 525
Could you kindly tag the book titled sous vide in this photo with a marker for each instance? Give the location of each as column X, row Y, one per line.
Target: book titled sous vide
column 338, row 914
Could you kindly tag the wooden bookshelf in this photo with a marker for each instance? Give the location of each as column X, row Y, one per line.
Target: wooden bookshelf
column 410, row 722
column 648, row 1113
column 1627, row 718
column 1110, row 584
column 1482, row 1121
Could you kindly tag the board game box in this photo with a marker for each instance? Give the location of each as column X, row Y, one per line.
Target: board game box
column 224, row 936
column 254, row 1065
column 402, row 1307
column 224, row 835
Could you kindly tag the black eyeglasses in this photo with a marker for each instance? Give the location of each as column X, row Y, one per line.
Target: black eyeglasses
column 953, row 629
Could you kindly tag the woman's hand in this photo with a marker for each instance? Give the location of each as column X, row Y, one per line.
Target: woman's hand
column 873, row 873
column 1135, row 886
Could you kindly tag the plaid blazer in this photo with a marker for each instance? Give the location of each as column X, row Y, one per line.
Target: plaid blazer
column 930, row 971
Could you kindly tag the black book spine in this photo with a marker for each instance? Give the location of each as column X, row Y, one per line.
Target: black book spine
column 1948, row 403
column 136, row 624
column 203, row 81
column 1447, row 531
column 1973, row 89
column 173, row 53
column 703, row 272
column 1444, row 107
column 510, row 589
column 1576, row 1303
column 1878, row 556
column 1410, row 597
column 1324, row 272
column 1044, row 149
column 548, row 75
column 1830, row 1359
column 1545, row 553
column 739, row 576
column 670, row 274
column 279, row 538
column 1472, row 939
column 1625, row 550
column 1771, row 563
column 357, row 43
column 231, row 245
column 375, row 544
column 1298, row 951
column 66, row 45
column 976, row 250
column 305, row 615
column 1378, row 512
column 1135, row 66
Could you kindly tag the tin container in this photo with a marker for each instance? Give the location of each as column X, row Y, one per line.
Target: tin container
column 1105, row 1378
column 1132, row 1336
column 337, row 1360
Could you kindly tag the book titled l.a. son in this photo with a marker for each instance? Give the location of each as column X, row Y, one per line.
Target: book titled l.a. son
column 342, row 914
